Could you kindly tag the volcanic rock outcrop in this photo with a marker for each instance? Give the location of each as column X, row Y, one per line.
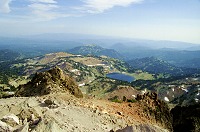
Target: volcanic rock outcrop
column 52, row 81
column 156, row 110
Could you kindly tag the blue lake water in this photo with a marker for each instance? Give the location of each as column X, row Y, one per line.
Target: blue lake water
column 120, row 76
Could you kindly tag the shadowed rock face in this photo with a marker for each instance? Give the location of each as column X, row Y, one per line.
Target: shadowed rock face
column 52, row 81
column 186, row 118
column 156, row 110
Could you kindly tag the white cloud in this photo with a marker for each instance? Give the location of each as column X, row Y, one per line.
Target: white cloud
column 45, row 1
column 45, row 12
column 4, row 6
column 99, row 6
column 43, row 7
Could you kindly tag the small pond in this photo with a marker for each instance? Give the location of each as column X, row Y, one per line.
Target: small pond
column 120, row 76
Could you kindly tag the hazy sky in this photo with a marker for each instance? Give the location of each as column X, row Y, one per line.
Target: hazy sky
column 150, row 19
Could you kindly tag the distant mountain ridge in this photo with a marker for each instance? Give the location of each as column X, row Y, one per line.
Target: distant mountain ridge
column 153, row 44
column 156, row 66
column 179, row 58
column 152, row 64
column 35, row 45
column 110, row 40
column 96, row 50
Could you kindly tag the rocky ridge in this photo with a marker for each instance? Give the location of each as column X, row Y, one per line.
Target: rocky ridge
column 52, row 81
column 156, row 110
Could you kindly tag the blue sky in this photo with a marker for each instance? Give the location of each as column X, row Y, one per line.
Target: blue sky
column 146, row 19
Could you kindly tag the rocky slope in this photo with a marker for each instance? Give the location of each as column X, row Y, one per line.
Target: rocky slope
column 49, row 103
column 61, row 112
column 156, row 110
column 54, row 107
column 52, row 81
